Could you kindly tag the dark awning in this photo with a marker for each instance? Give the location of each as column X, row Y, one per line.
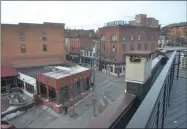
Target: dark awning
column 8, row 71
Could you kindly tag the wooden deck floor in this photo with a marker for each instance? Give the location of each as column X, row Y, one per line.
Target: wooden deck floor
column 177, row 112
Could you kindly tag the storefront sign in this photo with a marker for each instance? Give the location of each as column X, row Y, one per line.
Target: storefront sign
column 135, row 59
column 76, row 79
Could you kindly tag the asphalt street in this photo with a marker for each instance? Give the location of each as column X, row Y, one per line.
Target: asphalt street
column 114, row 86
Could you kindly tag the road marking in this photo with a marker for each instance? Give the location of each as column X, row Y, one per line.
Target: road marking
column 102, row 82
column 107, row 85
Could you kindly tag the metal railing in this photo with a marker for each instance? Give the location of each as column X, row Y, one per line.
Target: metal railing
column 152, row 111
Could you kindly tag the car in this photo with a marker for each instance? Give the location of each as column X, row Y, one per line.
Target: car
column 7, row 125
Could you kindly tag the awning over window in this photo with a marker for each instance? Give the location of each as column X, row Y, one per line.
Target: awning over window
column 8, row 71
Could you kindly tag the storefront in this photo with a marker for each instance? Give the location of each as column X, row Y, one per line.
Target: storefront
column 27, row 83
column 8, row 78
column 112, row 68
column 63, row 86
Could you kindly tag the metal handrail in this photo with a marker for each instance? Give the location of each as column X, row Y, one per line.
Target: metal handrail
column 143, row 114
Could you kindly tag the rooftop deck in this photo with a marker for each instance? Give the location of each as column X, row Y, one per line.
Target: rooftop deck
column 177, row 112
column 165, row 105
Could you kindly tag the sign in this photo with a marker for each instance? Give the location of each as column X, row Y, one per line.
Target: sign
column 76, row 79
column 115, row 23
column 135, row 58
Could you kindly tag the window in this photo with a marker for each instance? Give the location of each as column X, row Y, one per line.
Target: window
column 145, row 46
column 81, row 53
column 132, row 37
column 152, row 37
column 29, row 88
column 132, row 46
column 124, row 47
column 114, row 38
column 139, row 46
column 124, row 38
column 139, row 37
column 44, row 47
column 152, row 46
column 23, row 48
column 22, row 36
column 103, row 38
column 44, row 36
column 104, row 46
column 113, row 46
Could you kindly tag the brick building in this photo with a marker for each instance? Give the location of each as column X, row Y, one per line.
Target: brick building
column 177, row 30
column 63, row 86
column 118, row 39
column 143, row 20
column 27, row 44
column 76, row 43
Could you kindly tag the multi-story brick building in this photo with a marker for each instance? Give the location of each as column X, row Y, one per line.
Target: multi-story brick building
column 177, row 30
column 69, row 33
column 115, row 40
column 143, row 20
column 27, row 44
column 75, row 44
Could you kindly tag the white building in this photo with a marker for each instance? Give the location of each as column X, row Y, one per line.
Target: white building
column 89, row 55
column 28, row 84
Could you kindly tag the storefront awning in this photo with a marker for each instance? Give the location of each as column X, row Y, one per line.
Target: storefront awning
column 8, row 71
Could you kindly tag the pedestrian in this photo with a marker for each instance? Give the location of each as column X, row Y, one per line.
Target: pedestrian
column 65, row 109
column 118, row 74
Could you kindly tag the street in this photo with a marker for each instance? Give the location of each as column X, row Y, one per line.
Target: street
column 109, row 84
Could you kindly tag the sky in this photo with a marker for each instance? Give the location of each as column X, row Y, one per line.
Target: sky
column 91, row 14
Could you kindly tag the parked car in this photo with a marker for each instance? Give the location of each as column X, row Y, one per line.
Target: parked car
column 7, row 125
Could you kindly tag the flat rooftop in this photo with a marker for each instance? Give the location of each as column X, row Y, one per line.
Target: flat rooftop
column 60, row 71
column 53, row 71
column 32, row 71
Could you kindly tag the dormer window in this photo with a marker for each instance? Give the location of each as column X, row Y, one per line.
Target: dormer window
column 114, row 38
column 103, row 38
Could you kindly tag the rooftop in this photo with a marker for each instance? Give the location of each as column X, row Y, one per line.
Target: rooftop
column 140, row 53
column 60, row 71
column 32, row 71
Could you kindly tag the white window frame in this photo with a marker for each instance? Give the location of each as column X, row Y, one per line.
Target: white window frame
column 132, row 37
column 114, row 37
column 103, row 38
column 139, row 37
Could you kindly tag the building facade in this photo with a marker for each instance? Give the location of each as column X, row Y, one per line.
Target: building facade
column 118, row 39
column 143, row 20
column 63, row 86
column 75, row 44
column 90, row 55
column 178, row 31
column 27, row 44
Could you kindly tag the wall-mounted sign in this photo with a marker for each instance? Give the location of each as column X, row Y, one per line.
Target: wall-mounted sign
column 135, row 58
column 115, row 23
column 76, row 79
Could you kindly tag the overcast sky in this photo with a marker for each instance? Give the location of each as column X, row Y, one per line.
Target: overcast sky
column 90, row 14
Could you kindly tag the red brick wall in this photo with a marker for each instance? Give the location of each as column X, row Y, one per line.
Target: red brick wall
column 77, row 42
column 62, row 82
column 120, row 31
column 11, row 43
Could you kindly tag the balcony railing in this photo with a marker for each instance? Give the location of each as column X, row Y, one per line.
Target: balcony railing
column 152, row 111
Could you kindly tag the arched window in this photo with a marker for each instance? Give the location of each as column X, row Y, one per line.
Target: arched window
column 103, row 38
column 114, row 37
